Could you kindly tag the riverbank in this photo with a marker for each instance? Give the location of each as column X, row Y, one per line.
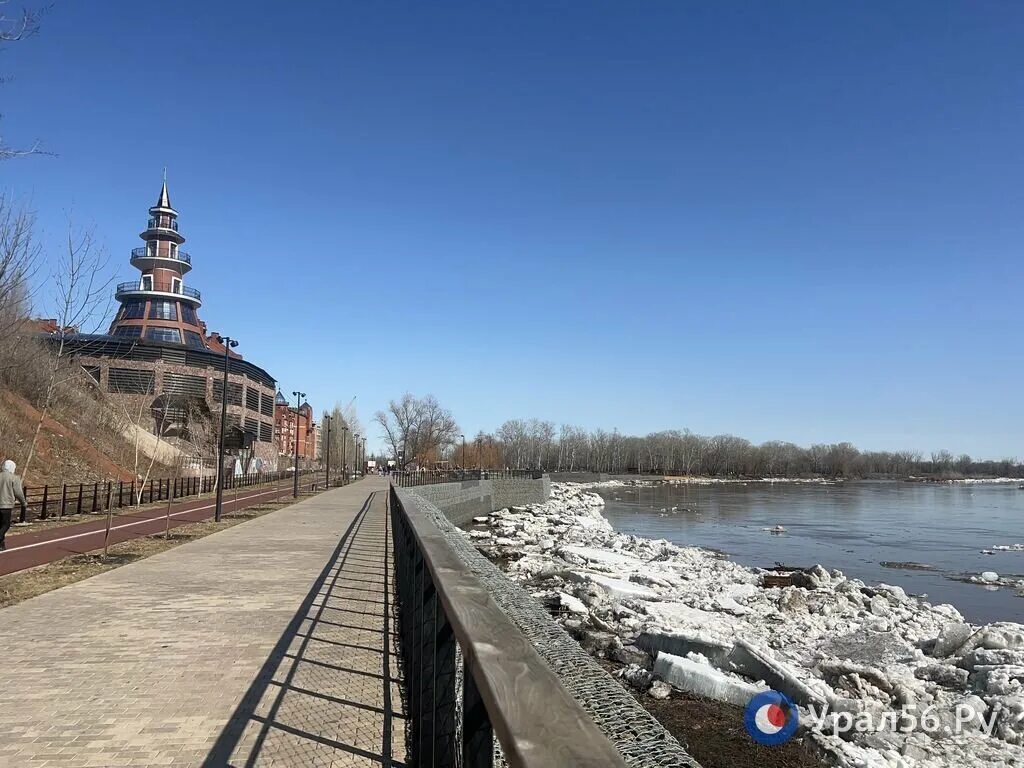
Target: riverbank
column 640, row 481
column 713, row 627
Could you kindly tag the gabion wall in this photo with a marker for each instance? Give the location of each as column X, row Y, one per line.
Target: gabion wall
column 640, row 739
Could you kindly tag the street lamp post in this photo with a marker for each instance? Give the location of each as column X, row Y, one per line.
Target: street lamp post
column 327, row 482
column 355, row 449
column 463, row 455
column 364, row 457
column 298, row 405
column 228, row 342
column 344, row 455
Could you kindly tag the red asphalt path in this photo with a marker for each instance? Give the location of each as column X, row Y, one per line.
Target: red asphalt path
column 27, row 550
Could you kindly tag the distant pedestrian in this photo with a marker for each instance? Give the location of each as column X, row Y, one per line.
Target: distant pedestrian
column 10, row 491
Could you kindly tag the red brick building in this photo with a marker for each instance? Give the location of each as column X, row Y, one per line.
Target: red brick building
column 286, row 422
column 159, row 359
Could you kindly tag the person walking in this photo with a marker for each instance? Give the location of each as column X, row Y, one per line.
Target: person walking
column 10, row 491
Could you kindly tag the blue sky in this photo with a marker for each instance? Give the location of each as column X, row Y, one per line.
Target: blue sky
column 794, row 221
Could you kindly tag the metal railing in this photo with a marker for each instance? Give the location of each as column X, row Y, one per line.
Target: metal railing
column 155, row 224
column 412, row 478
column 143, row 253
column 49, row 501
column 134, row 286
column 446, row 613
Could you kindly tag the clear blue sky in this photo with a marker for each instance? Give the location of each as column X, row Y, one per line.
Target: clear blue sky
column 799, row 221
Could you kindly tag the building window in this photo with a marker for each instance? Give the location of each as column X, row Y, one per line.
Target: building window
column 234, row 392
column 147, row 282
column 128, row 381
column 194, row 340
column 93, row 371
column 172, row 335
column 188, row 315
column 129, row 331
column 181, row 384
column 267, row 405
column 163, row 310
column 133, row 310
column 252, row 399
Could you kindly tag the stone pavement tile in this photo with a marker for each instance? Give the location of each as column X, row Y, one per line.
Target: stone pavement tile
column 152, row 663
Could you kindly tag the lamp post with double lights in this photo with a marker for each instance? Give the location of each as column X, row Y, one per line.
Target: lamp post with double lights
column 327, row 462
column 228, row 343
column 298, row 405
column 344, row 455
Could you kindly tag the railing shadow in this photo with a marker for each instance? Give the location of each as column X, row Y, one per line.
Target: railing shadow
column 328, row 693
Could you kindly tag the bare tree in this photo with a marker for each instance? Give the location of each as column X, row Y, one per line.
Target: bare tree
column 14, row 29
column 417, row 429
column 82, row 301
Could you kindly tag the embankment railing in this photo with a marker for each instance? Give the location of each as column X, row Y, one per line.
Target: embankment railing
column 503, row 688
column 412, row 478
column 84, row 498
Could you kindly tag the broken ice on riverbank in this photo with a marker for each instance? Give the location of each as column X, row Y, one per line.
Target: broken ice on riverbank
column 703, row 623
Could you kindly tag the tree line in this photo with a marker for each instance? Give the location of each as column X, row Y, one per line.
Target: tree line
column 419, row 432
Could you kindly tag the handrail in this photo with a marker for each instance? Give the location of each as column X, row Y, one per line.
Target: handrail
column 133, row 286
column 408, row 478
column 537, row 722
column 143, row 253
column 155, row 224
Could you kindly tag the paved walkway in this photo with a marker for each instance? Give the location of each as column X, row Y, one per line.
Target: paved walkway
column 268, row 644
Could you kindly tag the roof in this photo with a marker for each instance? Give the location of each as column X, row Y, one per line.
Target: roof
column 165, row 199
column 280, row 399
column 123, row 348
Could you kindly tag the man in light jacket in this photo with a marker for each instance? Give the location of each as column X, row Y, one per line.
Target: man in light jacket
column 10, row 491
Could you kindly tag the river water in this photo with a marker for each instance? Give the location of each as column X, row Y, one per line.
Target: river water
column 855, row 527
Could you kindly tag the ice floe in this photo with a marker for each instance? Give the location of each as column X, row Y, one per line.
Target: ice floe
column 839, row 648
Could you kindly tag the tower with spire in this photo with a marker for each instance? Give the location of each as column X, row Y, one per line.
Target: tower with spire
column 158, row 306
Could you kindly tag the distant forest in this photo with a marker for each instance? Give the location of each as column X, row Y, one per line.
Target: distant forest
column 420, row 432
column 526, row 444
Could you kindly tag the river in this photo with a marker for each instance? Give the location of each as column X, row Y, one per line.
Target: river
column 855, row 527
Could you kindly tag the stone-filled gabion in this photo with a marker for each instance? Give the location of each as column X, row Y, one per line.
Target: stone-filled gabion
column 640, row 739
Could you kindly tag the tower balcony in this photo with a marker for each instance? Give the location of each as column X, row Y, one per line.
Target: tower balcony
column 157, row 290
column 145, row 261
column 153, row 232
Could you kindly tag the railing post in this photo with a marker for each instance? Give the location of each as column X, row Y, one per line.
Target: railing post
column 477, row 736
column 81, row 488
column 95, row 490
column 46, row 497
column 444, row 748
column 120, row 493
column 24, row 512
column 63, row 500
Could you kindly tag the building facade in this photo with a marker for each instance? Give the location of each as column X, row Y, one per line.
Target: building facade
column 158, row 306
column 160, row 363
column 287, row 422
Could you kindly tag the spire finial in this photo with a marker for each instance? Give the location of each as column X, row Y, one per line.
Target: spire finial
column 165, row 200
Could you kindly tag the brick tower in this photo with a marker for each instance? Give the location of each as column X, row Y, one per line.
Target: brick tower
column 158, row 307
